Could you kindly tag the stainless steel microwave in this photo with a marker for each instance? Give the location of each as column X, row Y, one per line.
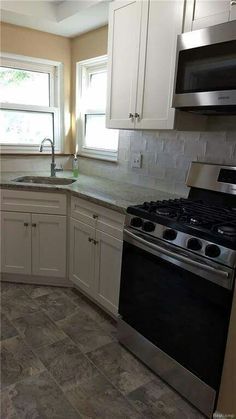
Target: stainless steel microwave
column 205, row 78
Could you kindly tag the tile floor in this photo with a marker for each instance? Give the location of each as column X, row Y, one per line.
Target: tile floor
column 61, row 360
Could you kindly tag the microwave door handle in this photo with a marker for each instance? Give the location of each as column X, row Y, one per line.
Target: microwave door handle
column 179, row 257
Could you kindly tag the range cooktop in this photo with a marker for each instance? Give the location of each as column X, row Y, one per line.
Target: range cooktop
column 203, row 220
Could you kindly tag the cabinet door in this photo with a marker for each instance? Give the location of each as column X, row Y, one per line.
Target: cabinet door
column 107, row 271
column 82, row 255
column 209, row 13
column 157, row 64
column 49, row 245
column 123, row 56
column 15, row 242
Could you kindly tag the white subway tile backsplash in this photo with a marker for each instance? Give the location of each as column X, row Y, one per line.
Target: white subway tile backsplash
column 174, row 146
column 175, row 174
column 138, row 143
column 166, row 157
column 215, row 136
column 194, row 148
column 166, row 160
column 221, row 151
column 154, row 145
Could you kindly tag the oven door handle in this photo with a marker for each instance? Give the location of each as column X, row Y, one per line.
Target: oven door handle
column 224, row 274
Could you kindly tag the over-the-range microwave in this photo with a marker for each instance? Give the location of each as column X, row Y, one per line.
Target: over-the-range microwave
column 205, row 77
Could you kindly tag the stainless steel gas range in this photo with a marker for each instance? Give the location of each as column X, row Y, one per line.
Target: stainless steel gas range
column 177, row 279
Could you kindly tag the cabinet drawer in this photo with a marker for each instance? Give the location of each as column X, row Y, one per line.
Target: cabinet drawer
column 38, row 202
column 83, row 211
column 104, row 219
column 111, row 222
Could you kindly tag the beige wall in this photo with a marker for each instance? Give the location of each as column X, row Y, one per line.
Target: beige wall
column 32, row 43
column 89, row 45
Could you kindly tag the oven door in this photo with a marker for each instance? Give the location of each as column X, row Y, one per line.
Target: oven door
column 178, row 303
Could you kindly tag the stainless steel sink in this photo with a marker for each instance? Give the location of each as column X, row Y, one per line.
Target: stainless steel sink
column 44, row 180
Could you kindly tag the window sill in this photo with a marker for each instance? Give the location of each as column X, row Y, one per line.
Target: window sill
column 101, row 158
column 30, row 153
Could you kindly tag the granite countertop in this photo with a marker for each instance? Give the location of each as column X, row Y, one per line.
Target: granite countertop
column 109, row 193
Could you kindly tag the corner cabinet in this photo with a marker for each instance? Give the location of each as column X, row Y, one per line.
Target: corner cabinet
column 33, row 236
column 141, row 63
column 96, row 251
column 204, row 13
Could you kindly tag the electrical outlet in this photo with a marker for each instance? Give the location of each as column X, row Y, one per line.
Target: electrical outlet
column 136, row 160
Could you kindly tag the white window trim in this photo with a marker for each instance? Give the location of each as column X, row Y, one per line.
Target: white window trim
column 81, row 68
column 56, row 108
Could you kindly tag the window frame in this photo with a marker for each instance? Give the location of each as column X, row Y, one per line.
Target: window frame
column 83, row 71
column 55, row 108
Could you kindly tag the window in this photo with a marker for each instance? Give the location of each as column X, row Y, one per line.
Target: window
column 30, row 111
column 93, row 138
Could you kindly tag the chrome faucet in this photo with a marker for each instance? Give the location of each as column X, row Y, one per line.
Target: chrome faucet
column 53, row 164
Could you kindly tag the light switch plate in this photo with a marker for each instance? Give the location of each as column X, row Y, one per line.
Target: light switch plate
column 136, row 160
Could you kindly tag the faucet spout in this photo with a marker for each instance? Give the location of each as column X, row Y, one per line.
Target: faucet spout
column 53, row 165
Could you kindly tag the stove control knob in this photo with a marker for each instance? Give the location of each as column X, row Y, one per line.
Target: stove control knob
column 194, row 244
column 212, row 250
column 169, row 234
column 136, row 222
column 148, row 226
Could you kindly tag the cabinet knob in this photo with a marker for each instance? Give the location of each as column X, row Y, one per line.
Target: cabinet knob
column 90, row 240
column 95, row 216
column 136, row 115
column 233, row 2
column 26, row 224
column 131, row 115
column 34, row 225
column 95, row 242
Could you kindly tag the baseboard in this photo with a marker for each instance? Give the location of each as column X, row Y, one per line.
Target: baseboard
column 36, row 280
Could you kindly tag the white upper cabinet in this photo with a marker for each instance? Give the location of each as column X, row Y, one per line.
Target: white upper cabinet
column 123, row 53
column 142, row 45
column 204, row 13
column 157, row 64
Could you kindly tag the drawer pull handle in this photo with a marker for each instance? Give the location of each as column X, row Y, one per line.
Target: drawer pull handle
column 26, row 224
column 34, row 225
column 95, row 216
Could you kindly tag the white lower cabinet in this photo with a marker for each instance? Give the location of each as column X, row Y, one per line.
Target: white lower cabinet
column 16, row 242
column 33, row 236
column 108, row 253
column 82, row 255
column 33, row 244
column 95, row 264
column 96, row 252
column 49, row 245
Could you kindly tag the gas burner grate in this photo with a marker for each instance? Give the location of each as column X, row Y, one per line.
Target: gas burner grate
column 196, row 214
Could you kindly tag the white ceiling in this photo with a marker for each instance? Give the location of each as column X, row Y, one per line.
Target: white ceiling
column 65, row 17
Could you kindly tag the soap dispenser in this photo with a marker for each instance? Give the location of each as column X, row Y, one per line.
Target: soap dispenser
column 75, row 166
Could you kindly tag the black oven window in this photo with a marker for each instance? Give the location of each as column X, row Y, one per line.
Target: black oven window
column 209, row 68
